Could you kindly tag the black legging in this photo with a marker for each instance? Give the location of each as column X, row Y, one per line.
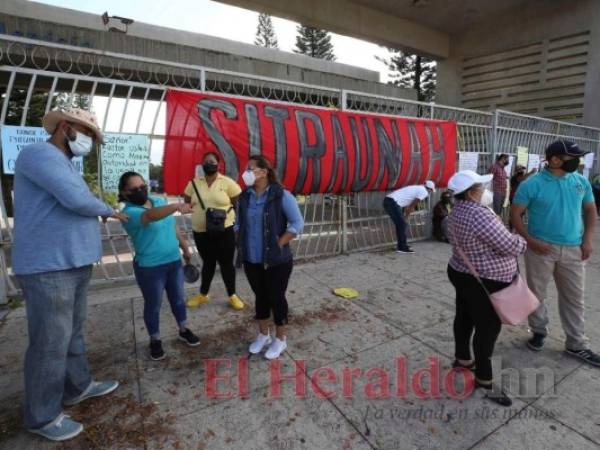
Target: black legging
column 475, row 311
column 213, row 249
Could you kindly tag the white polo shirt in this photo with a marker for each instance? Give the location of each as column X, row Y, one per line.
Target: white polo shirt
column 406, row 195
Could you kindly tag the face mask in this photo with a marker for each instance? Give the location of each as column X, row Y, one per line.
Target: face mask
column 210, row 168
column 445, row 200
column 81, row 146
column 249, row 178
column 138, row 196
column 571, row 165
column 487, row 198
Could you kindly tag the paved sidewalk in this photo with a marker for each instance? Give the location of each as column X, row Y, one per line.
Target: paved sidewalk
column 403, row 316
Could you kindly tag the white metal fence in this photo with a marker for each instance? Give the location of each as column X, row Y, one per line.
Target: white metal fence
column 129, row 93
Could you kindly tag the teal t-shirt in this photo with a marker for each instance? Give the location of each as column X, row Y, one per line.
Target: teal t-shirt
column 555, row 206
column 155, row 243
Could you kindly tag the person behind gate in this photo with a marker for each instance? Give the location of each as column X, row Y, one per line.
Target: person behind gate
column 399, row 205
column 56, row 241
column 268, row 219
column 214, row 190
column 560, row 232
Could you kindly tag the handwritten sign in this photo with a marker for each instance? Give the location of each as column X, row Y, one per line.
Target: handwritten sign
column 122, row 153
column 468, row 161
column 533, row 163
column 522, row 156
column 15, row 138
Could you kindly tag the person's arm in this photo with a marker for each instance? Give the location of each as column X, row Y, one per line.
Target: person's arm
column 53, row 174
column 160, row 212
column 294, row 218
column 410, row 208
column 520, row 204
column 489, row 229
column 183, row 245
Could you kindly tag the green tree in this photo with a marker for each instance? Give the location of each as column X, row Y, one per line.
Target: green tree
column 265, row 32
column 314, row 42
column 412, row 71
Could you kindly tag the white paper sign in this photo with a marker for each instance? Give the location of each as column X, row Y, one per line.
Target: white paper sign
column 468, row 161
column 588, row 160
column 15, row 138
column 533, row 163
column 122, row 153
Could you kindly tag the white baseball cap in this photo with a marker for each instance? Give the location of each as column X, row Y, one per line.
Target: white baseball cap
column 463, row 180
column 430, row 185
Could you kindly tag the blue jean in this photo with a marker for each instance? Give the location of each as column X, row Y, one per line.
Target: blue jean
column 395, row 212
column 56, row 365
column 153, row 282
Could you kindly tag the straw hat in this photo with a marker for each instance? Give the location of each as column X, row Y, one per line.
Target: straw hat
column 75, row 115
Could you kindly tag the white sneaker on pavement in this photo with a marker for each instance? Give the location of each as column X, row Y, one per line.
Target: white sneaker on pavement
column 277, row 347
column 261, row 341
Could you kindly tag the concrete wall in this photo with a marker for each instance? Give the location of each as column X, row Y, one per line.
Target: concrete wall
column 538, row 60
column 35, row 20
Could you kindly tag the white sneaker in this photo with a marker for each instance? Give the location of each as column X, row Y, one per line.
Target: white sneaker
column 276, row 349
column 261, row 341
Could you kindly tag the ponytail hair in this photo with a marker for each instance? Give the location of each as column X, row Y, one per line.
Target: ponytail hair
column 124, row 180
column 263, row 163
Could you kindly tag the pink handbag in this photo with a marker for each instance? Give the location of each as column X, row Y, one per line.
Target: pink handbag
column 514, row 303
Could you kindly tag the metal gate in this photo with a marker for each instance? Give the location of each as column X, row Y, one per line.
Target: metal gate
column 128, row 91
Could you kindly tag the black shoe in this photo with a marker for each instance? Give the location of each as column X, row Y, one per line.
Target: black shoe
column 536, row 343
column 156, row 350
column 406, row 250
column 494, row 394
column 457, row 365
column 586, row 355
column 189, row 338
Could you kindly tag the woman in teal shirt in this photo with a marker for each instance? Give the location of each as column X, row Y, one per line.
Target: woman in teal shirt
column 157, row 263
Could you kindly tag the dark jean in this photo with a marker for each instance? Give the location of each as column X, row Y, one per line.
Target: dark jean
column 213, row 249
column 269, row 285
column 498, row 205
column 56, row 366
column 395, row 212
column 153, row 282
column 474, row 312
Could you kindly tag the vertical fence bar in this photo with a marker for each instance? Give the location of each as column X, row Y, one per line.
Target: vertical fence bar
column 343, row 218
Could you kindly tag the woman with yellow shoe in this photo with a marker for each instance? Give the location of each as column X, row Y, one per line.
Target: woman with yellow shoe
column 214, row 190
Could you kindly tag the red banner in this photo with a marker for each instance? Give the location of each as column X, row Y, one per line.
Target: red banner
column 312, row 149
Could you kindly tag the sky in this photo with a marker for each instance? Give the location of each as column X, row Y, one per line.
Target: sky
column 211, row 18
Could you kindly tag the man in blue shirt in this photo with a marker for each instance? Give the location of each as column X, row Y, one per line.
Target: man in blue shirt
column 559, row 234
column 56, row 241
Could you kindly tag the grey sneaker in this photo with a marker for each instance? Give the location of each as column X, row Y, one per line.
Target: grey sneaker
column 586, row 355
column 95, row 389
column 60, row 429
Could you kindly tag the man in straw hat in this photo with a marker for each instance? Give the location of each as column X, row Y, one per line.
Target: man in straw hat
column 56, row 241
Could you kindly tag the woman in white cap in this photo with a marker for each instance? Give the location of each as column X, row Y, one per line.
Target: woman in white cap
column 477, row 234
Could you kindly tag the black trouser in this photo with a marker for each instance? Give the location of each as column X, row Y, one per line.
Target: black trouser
column 213, row 249
column 475, row 311
column 269, row 286
column 395, row 212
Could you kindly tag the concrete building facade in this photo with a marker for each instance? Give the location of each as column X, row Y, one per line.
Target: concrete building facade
column 527, row 56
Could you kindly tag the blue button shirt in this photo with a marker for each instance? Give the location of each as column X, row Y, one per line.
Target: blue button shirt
column 555, row 206
column 155, row 243
column 56, row 215
column 253, row 250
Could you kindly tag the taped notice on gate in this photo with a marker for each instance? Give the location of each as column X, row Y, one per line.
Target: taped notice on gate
column 312, row 149
column 123, row 153
column 16, row 138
